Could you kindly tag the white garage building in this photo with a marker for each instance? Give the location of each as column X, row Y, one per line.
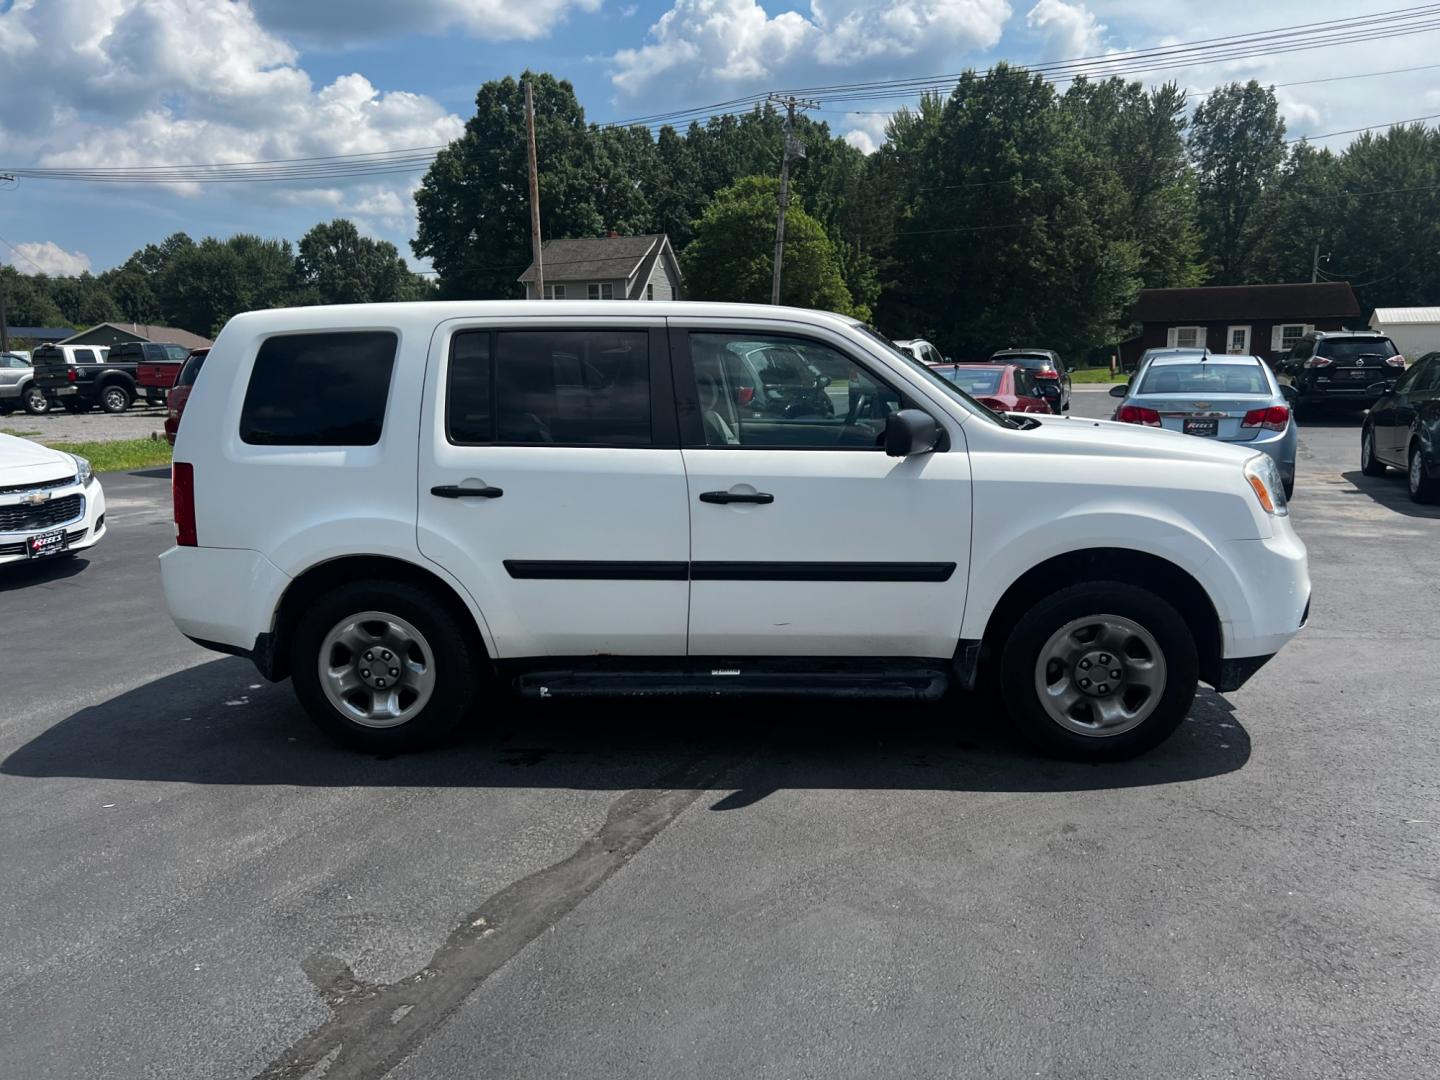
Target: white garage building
column 1414, row 330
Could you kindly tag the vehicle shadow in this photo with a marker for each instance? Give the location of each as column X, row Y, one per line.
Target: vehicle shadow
column 23, row 575
column 1392, row 492
column 214, row 724
column 162, row 473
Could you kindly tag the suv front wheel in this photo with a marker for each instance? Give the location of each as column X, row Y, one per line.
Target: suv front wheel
column 382, row 666
column 1100, row 671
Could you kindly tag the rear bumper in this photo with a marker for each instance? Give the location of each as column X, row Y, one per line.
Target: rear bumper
column 222, row 598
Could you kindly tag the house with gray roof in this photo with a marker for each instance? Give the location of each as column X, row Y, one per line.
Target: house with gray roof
column 608, row 268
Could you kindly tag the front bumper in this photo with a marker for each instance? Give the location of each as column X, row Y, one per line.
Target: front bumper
column 1273, row 599
column 82, row 531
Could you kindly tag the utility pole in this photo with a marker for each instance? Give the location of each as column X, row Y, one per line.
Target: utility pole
column 4, row 325
column 1315, row 262
column 534, row 195
column 793, row 148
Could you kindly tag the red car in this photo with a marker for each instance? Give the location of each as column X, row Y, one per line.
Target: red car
column 181, row 391
column 1002, row 387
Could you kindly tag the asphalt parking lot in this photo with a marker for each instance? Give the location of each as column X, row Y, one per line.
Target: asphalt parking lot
column 197, row 884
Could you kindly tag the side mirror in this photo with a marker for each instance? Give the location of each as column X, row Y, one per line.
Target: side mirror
column 1119, row 389
column 822, row 381
column 1288, row 392
column 1385, row 387
column 910, row 431
column 948, row 360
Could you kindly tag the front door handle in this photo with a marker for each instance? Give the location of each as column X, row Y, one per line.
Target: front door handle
column 456, row 491
column 736, row 497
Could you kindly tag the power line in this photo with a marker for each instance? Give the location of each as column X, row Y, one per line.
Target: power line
column 22, row 254
column 1371, row 127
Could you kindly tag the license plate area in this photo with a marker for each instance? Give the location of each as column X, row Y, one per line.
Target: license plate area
column 1200, row 425
column 51, row 543
column 68, row 390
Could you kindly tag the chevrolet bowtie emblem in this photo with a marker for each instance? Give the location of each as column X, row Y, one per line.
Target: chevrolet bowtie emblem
column 37, row 499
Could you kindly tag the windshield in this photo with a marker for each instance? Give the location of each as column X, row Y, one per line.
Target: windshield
column 1204, row 378
column 1354, row 350
column 972, row 381
column 929, row 373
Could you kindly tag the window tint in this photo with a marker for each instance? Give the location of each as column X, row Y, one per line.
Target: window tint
column 577, row 387
column 1429, row 379
column 191, row 369
column 1204, row 378
column 1352, row 349
column 787, row 393
column 86, row 356
column 319, row 389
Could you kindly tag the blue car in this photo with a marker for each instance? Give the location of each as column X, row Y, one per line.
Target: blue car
column 1232, row 398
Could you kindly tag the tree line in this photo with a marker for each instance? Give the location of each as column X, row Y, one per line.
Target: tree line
column 198, row 286
column 1006, row 212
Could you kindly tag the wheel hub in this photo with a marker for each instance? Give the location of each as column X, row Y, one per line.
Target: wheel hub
column 378, row 668
column 1099, row 673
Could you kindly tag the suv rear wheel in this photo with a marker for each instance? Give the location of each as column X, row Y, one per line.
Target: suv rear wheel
column 1100, row 671
column 383, row 666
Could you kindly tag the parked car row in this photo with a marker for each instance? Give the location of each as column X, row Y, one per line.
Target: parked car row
column 82, row 377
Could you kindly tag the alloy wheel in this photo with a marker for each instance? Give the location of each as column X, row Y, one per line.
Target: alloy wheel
column 1100, row 675
column 377, row 669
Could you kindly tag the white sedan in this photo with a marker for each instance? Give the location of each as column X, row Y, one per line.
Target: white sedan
column 50, row 502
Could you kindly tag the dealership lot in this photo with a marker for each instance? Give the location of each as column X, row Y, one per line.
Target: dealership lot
column 198, row 884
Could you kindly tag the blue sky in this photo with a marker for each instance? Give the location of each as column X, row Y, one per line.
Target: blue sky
column 103, row 83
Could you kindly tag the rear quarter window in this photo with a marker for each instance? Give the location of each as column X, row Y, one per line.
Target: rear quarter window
column 319, row 389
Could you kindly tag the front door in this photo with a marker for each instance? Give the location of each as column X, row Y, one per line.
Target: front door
column 1390, row 419
column 551, row 483
column 806, row 538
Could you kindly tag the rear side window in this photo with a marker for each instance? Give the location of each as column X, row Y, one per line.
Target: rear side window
column 86, row 356
column 575, row 387
column 319, row 389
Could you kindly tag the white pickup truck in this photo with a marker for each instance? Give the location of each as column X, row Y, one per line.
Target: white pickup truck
column 412, row 509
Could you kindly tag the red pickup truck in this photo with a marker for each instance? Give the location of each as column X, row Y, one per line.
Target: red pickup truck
column 157, row 366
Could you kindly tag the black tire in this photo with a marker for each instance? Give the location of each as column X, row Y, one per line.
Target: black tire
column 1425, row 489
column 1370, row 465
column 459, row 666
column 1020, row 655
column 116, row 398
column 35, row 401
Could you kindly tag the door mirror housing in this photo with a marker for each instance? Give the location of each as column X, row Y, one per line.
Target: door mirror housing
column 1119, row 389
column 910, row 431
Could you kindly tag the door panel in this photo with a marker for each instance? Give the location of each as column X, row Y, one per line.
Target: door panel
column 847, row 552
column 585, row 548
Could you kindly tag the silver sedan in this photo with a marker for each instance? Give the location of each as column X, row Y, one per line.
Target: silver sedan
column 1232, row 398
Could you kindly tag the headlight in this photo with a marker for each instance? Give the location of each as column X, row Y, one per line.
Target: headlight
column 1264, row 479
column 83, row 472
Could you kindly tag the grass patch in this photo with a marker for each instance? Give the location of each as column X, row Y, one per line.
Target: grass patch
column 1094, row 375
column 121, row 455
column 19, row 434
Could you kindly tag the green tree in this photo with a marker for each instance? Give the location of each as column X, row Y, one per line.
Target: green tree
column 1305, row 202
column 732, row 255
column 472, row 208
column 334, row 264
column 204, row 284
column 28, row 301
column 1237, row 142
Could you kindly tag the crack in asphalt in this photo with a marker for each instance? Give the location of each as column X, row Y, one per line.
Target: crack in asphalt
column 373, row 1027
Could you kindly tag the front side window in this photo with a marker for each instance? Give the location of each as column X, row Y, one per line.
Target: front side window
column 177, row 353
column 602, row 290
column 326, row 389
column 786, row 393
column 572, row 387
column 1429, row 379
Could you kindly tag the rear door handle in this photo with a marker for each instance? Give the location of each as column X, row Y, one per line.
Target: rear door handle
column 736, row 497
column 455, row 491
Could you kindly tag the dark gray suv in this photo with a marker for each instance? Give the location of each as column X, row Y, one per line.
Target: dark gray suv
column 1347, row 367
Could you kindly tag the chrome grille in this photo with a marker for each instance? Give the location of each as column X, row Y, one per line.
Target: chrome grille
column 19, row 518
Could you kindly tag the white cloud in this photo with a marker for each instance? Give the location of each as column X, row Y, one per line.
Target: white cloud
column 46, row 257
column 716, row 45
column 325, row 21
column 861, row 140
column 1069, row 30
column 118, row 83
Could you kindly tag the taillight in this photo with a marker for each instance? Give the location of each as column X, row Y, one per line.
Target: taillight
column 744, row 395
column 1135, row 414
column 1046, row 374
column 1318, row 361
column 1272, row 419
column 71, row 376
column 1395, row 361
column 182, row 493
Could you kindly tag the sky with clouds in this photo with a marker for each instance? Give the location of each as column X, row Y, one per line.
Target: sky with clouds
column 110, row 83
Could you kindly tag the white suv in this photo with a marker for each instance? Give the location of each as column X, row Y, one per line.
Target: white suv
column 412, row 509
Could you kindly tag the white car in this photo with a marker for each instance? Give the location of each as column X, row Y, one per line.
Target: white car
column 412, row 509
column 50, row 503
column 921, row 350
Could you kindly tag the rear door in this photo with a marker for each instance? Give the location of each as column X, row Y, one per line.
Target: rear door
column 551, row 483
column 806, row 538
